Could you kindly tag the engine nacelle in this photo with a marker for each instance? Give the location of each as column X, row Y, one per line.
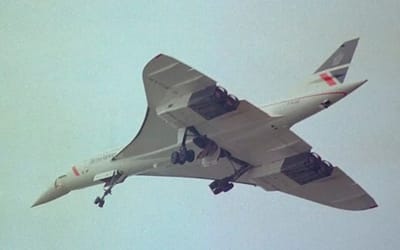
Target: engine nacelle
column 306, row 167
column 193, row 108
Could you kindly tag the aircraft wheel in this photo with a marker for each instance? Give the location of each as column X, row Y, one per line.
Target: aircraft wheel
column 219, row 186
column 101, row 203
column 217, row 190
column 214, row 184
column 227, row 187
column 182, row 161
column 175, row 158
column 189, row 156
column 97, row 200
column 182, row 154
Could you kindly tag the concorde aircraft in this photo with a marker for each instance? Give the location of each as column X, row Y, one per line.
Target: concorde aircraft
column 194, row 128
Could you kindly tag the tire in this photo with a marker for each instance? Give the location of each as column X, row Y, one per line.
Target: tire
column 227, row 187
column 182, row 161
column 182, row 156
column 217, row 190
column 189, row 157
column 214, row 184
column 175, row 159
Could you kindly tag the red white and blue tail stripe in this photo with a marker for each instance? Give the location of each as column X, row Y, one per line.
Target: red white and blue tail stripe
column 333, row 71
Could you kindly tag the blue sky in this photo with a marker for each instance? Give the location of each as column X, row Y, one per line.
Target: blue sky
column 70, row 78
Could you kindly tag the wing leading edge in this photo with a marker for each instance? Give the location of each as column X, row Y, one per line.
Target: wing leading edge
column 154, row 134
column 164, row 78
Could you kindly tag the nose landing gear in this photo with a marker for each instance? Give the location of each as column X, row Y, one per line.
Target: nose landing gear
column 100, row 201
column 110, row 182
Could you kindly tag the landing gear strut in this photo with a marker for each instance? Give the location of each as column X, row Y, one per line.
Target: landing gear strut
column 183, row 155
column 110, row 183
column 100, row 201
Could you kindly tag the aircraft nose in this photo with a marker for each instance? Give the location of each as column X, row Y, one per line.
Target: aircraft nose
column 51, row 194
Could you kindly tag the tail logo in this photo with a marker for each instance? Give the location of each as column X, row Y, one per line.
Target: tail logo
column 328, row 79
column 335, row 76
column 333, row 71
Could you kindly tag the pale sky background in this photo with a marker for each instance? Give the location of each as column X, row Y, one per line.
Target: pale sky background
column 71, row 87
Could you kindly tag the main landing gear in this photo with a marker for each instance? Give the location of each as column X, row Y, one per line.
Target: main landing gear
column 109, row 184
column 184, row 155
column 226, row 184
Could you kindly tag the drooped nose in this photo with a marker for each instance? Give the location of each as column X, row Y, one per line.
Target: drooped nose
column 52, row 193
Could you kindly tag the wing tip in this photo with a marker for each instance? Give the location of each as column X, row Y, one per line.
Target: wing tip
column 355, row 39
column 373, row 206
column 157, row 56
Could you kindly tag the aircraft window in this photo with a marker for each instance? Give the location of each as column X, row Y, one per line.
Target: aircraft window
column 57, row 183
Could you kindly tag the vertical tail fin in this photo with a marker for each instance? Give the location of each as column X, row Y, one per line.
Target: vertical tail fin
column 338, row 63
column 333, row 71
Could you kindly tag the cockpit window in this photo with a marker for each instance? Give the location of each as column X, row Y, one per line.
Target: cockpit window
column 58, row 183
column 62, row 176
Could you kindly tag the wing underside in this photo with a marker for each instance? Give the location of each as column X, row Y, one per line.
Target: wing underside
column 307, row 177
column 153, row 135
column 246, row 132
column 338, row 190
